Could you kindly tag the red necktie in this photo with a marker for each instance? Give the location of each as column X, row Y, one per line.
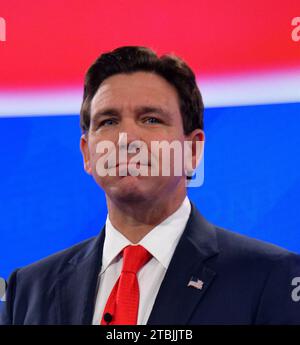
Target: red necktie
column 123, row 303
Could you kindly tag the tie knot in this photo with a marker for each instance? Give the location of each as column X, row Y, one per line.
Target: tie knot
column 134, row 258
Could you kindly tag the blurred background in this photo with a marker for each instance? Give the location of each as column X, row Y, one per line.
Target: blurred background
column 246, row 55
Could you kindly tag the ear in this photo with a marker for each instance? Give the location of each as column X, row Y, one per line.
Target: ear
column 84, row 148
column 195, row 152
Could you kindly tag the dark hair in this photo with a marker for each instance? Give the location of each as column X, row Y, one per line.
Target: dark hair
column 131, row 59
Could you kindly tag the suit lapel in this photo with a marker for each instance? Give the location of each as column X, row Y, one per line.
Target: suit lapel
column 76, row 287
column 176, row 301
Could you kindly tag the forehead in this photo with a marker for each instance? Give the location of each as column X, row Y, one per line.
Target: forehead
column 135, row 89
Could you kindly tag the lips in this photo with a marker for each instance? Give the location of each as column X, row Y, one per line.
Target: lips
column 130, row 163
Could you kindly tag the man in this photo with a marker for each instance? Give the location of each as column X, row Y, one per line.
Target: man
column 157, row 260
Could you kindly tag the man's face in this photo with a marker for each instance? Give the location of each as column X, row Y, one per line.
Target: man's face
column 145, row 107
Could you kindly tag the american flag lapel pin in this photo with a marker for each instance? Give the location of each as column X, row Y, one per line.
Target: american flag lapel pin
column 196, row 283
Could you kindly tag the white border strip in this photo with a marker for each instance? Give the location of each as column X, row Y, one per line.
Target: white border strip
column 66, row 101
column 251, row 89
column 264, row 88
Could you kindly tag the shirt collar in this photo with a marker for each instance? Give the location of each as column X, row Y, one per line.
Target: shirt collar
column 161, row 241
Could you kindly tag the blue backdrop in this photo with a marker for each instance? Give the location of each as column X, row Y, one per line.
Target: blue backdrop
column 251, row 186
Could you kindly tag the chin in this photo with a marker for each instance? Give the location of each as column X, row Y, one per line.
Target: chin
column 128, row 188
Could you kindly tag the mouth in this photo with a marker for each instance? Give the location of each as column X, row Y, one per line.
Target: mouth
column 137, row 164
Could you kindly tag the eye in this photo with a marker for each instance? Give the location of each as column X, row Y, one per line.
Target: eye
column 152, row 120
column 107, row 122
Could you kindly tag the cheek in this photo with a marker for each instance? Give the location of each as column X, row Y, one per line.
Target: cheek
column 92, row 152
column 93, row 157
column 168, row 134
column 169, row 161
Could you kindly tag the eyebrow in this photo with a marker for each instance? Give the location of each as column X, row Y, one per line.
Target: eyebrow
column 141, row 110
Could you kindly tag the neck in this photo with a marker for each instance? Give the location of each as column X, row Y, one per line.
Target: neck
column 135, row 220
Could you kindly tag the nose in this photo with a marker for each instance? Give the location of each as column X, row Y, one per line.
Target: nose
column 131, row 142
column 129, row 133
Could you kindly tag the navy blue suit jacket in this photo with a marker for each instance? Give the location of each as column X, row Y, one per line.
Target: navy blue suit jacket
column 245, row 282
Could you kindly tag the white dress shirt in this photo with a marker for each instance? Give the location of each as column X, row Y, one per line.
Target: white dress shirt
column 161, row 242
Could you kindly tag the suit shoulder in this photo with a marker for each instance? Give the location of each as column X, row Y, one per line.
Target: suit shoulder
column 244, row 246
column 234, row 247
column 252, row 259
column 54, row 263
